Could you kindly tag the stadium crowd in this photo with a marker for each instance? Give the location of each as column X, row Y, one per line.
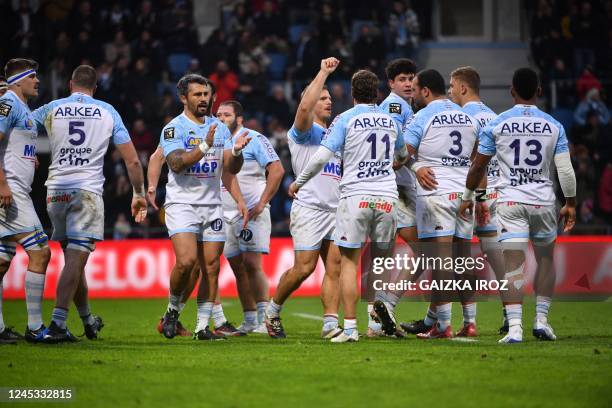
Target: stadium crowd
column 263, row 54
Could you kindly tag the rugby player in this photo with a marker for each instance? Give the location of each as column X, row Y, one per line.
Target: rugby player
column 313, row 212
column 370, row 140
column 80, row 129
column 526, row 142
column 19, row 223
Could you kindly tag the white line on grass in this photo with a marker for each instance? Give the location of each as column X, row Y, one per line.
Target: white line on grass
column 464, row 339
column 309, row 316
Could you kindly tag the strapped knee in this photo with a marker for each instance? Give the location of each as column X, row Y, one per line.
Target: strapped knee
column 34, row 241
column 7, row 250
column 81, row 244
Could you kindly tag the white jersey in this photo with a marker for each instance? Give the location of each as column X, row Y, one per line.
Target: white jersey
column 252, row 176
column 367, row 138
column 444, row 137
column 80, row 129
column 401, row 112
column 483, row 114
column 199, row 184
column 18, row 147
column 322, row 192
column 525, row 140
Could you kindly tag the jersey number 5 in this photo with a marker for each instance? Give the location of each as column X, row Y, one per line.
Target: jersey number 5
column 74, row 129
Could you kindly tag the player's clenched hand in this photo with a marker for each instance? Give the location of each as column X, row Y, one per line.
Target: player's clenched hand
column 241, row 142
column 210, row 136
column 427, row 178
column 6, row 195
column 244, row 212
column 483, row 216
column 568, row 214
column 255, row 211
column 139, row 208
column 151, row 196
column 293, row 189
column 329, row 65
column 466, row 209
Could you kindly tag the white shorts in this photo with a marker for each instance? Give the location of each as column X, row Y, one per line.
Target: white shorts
column 438, row 216
column 75, row 213
column 254, row 238
column 406, row 210
column 206, row 221
column 492, row 196
column 20, row 217
column 310, row 227
column 525, row 221
column 364, row 216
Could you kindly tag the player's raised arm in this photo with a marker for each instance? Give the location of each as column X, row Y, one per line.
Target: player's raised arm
column 156, row 161
column 304, row 116
column 232, row 156
column 136, row 176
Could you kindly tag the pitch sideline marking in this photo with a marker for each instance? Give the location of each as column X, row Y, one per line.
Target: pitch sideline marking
column 309, row 316
column 464, row 340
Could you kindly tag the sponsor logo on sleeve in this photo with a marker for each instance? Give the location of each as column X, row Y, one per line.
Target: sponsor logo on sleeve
column 169, row 133
column 5, row 109
column 395, row 108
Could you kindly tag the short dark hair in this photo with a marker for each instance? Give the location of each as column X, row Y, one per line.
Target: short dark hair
column 182, row 86
column 364, row 86
column 525, row 82
column 17, row 65
column 85, row 76
column 400, row 66
column 237, row 106
column 469, row 76
column 432, row 79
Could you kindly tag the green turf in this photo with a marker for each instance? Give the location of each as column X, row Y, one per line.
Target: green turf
column 134, row 366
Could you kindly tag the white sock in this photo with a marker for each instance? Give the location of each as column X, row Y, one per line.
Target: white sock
column 444, row 316
column 330, row 321
column 218, row 315
column 1, row 316
column 59, row 317
column 515, row 314
column 250, row 316
column 273, row 309
column 469, row 313
column 370, row 320
column 431, row 317
column 85, row 314
column 542, row 306
column 350, row 325
column 34, row 287
column 261, row 311
column 204, row 313
column 173, row 302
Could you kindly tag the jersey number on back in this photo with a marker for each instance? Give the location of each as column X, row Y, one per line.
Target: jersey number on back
column 385, row 139
column 74, row 128
column 535, row 151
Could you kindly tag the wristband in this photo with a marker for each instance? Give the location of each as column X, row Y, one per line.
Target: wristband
column 468, row 195
column 204, row 147
column 481, row 194
column 234, row 152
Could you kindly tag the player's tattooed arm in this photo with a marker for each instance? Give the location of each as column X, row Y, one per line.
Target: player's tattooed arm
column 305, row 111
column 179, row 160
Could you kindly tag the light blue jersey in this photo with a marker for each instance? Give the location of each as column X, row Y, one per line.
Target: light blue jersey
column 18, row 147
column 322, row 192
column 525, row 140
column 367, row 138
column 401, row 112
column 199, row 184
column 252, row 177
column 80, row 129
column 444, row 137
column 483, row 114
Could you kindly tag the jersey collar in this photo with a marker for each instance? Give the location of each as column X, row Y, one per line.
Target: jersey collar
column 17, row 98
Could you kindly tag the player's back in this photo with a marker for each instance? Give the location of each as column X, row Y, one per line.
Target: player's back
column 525, row 140
column 322, row 192
column 18, row 148
column 367, row 138
column 444, row 136
column 483, row 114
column 80, row 129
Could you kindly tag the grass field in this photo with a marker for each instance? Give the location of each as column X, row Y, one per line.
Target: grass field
column 134, row 366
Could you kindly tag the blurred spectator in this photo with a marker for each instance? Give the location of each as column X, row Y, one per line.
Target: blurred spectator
column 605, row 193
column 143, row 140
column 122, row 227
column 369, row 50
column 250, row 49
column 330, row 26
column 585, row 36
column 253, row 87
column 146, row 19
column 277, row 106
column 214, row 49
column 119, row 47
column 404, row 29
column 226, row 82
column 269, row 21
column 591, row 104
column 307, row 57
column 340, row 101
column 586, row 82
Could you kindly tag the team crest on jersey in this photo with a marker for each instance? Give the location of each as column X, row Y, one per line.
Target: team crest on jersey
column 28, row 124
column 169, row 133
column 5, row 109
column 216, row 225
column 395, row 108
